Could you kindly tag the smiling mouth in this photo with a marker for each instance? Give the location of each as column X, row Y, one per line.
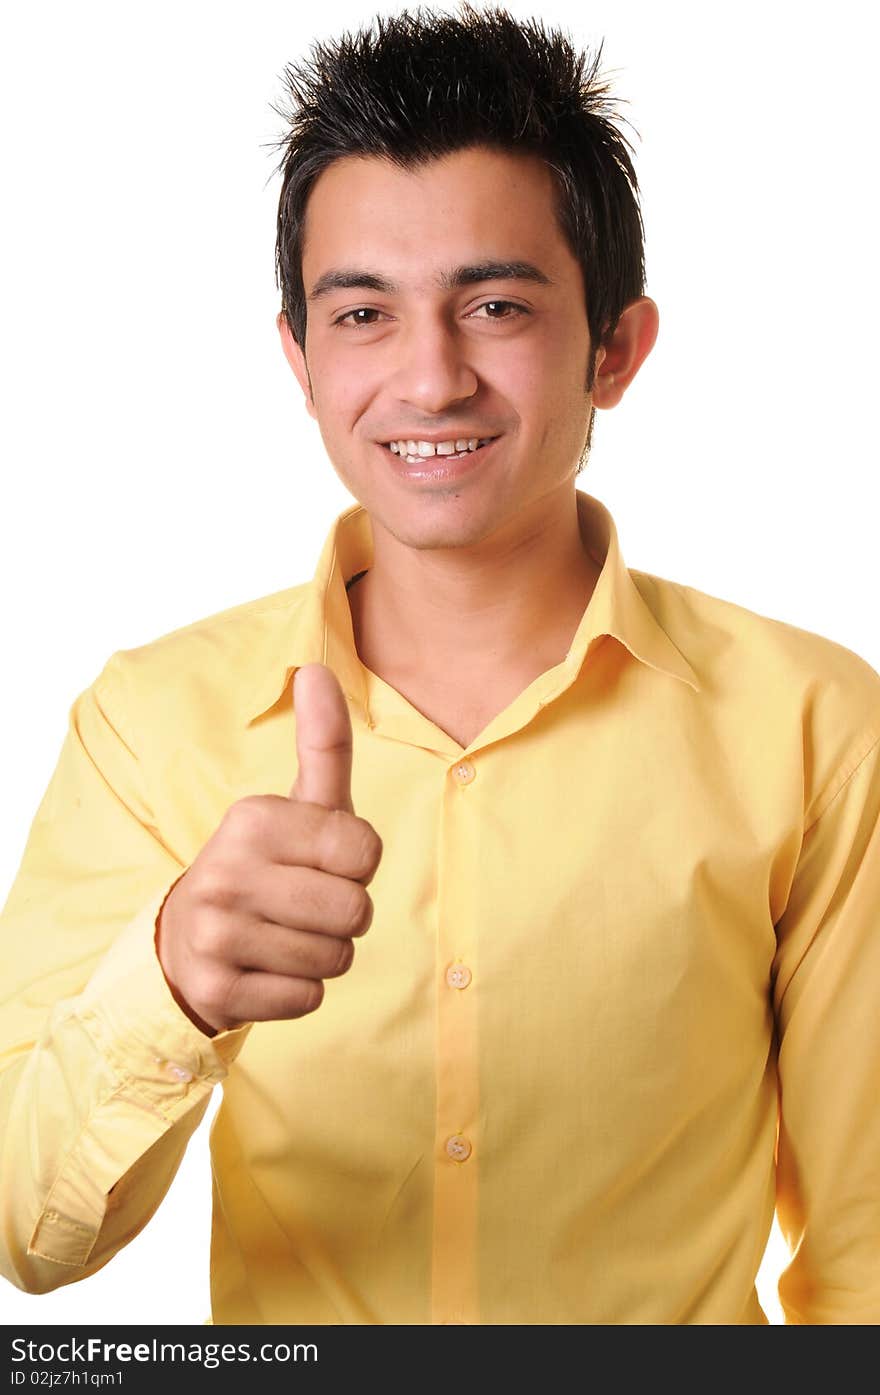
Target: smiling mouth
column 416, row 452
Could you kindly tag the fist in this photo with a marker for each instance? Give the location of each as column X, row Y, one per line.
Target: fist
column 273, row 903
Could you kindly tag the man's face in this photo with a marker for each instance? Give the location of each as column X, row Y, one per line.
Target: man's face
column 498, row 356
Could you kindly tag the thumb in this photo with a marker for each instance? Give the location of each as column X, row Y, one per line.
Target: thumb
column 323, row 739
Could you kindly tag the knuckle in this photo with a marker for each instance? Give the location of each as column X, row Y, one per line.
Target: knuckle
column 202, row 937
column 345, row 957
column 359, row 910
column 215, row 886
column 312, row 997
column 216, row 992
column 214, row 937
column 370, row 849
column 248, row 818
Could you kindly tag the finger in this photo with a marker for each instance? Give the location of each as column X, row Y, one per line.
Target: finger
column 307, row 898
column 262, row 997
column 308, row 841
column 276, row 949
column 323, row 739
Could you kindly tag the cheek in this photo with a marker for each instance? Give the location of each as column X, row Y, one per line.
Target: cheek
column 571, row 355
column 558, row 358
column 341, row 385
column 558, row 400
column 547, row 382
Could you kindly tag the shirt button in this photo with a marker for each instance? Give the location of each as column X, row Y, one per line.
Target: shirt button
column 458, row 975
column 458, row 1147
column 464, row 772
column 178, row 1072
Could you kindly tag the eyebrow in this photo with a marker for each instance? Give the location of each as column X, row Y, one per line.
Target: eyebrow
column 352, row 278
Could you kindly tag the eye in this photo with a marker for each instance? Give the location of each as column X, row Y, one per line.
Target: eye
column 509, row 310
column 361, row 310
column 504, row 304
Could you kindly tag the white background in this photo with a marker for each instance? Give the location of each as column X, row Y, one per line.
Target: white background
column 159, row 465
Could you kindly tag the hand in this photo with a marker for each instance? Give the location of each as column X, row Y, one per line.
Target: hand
column 272, row 904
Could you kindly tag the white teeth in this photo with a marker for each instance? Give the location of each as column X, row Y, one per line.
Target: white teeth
column 421, row 450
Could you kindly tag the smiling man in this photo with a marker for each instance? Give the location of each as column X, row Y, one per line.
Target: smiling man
column 611, row 996
column 447, row 371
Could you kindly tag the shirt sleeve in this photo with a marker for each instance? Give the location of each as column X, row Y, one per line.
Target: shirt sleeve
column 103, row 1078
column 826, row 999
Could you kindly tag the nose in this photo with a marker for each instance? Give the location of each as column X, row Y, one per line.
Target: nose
column 433, row 371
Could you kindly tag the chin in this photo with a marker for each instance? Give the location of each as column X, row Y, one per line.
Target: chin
column 437, row 523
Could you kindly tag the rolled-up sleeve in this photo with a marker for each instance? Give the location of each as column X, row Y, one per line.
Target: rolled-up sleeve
column 826, row 997
column 103, row 1079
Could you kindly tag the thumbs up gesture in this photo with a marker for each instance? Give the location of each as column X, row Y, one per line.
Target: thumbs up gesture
column 272, row 904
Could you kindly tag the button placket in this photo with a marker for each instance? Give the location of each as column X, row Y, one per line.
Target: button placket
column 454, row 1266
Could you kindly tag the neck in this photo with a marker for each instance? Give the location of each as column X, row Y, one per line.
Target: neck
column 510, row 603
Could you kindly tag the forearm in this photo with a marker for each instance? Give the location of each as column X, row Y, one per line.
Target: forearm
column 88, row 1152
column 95, row 1116
column 103, row 1079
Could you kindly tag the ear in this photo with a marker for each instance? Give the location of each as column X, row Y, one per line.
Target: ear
column 297, row 360
column 622, row 355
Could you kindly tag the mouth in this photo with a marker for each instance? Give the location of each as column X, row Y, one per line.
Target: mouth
column 440, row 466
column 416, row 452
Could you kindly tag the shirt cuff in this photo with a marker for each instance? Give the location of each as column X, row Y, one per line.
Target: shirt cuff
column 130, row 1011
column 154, row 1068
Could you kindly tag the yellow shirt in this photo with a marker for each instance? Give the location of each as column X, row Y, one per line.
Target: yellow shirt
column 626, row 945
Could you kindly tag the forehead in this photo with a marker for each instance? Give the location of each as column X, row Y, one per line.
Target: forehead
column 365, row 210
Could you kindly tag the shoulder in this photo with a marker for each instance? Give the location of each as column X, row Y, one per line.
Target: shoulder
column 731, row 639
column 773, row 679
column 216, row 657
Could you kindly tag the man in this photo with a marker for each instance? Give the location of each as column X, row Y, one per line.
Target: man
column 609, row 994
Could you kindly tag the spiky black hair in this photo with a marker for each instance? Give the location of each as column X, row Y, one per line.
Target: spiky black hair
column 421, row 84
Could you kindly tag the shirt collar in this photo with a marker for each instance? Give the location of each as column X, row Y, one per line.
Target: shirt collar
column 319, row 628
